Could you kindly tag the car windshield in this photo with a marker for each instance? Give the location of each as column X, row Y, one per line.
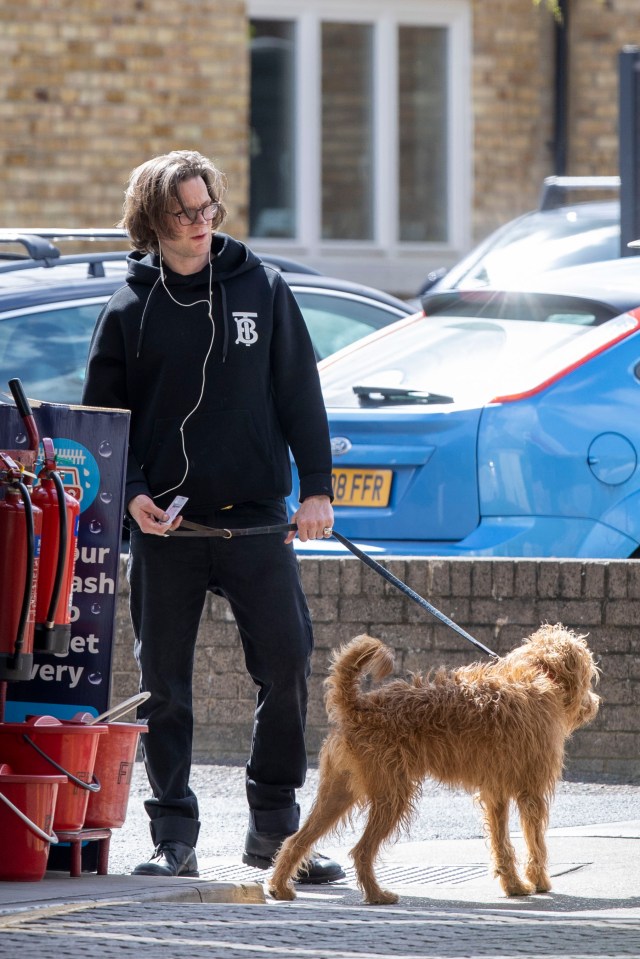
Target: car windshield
column 539, row 243
column 518, row 305
column 470, row 359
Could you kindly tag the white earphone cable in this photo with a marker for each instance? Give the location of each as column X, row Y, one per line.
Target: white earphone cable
column 208, row 303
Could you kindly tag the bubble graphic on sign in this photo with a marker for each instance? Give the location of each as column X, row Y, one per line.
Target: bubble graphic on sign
column 95, row 678
column 21, row 439
column 106, row 498
column 95, row 526
column 95, row 608
column 105, row 449
column 78, row 468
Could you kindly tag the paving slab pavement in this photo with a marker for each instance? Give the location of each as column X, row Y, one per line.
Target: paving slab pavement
column 450, row 906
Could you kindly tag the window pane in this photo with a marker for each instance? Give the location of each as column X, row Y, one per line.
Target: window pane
column 422, row 148
column 272, row 192
column 347, row 131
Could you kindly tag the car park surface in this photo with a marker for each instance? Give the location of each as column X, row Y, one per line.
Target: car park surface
column 49, row 304
column 502, row 423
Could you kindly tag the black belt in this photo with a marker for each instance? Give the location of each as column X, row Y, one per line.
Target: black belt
column 196, row 529
column 188, row 528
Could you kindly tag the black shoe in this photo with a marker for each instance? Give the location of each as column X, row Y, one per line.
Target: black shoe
column 319, row 869
column 171, row 858
column 261, row 848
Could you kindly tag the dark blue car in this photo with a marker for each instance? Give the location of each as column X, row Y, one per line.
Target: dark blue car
column 49, row 303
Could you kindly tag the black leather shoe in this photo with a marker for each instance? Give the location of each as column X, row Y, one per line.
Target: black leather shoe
column 261, row 848
column 319, row 869
column 171, row 858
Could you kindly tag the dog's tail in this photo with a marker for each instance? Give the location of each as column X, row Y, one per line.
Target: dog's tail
column 363, row 656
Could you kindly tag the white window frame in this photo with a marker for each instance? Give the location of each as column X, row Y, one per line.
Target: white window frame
column 455, row 16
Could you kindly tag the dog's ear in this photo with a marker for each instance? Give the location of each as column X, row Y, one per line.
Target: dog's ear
column 566, row 659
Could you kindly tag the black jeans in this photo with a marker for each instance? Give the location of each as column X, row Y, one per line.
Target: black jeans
column 259, row 576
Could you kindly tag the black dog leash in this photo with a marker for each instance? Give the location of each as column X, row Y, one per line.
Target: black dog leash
column 420, row 600
column 196, row 529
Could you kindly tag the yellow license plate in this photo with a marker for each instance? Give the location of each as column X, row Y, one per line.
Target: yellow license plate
column 360, row 487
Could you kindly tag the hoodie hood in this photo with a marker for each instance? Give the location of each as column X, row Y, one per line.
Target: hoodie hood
column 229, row 258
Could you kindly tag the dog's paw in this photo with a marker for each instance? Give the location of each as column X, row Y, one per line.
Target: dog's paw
column 539, row 879
column 542, row 884
column 286, row 892
column 383, row 897
column 517, row 887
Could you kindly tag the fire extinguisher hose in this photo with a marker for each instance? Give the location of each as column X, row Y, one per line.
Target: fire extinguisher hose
column 63, row 534
column 28, row 585
column 24, row 409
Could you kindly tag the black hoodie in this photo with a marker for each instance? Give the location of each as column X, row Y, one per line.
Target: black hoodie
column 256, row 394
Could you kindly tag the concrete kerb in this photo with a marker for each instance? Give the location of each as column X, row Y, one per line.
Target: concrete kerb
column 53, row 896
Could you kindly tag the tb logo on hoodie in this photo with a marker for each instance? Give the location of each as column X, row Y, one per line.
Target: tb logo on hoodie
column 246, row 327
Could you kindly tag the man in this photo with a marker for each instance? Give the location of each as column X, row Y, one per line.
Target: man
column 208, row 350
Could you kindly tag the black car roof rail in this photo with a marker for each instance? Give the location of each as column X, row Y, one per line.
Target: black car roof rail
column 36, row 240
column 94, row 261
column 41, row 252
column 555, row 188
column 37, row 247
column 67, row 233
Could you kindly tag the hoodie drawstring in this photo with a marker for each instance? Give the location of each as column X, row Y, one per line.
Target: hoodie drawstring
column 142, row 318
column 225, row 321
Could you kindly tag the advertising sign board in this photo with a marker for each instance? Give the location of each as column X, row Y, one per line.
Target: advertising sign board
column 91, row 447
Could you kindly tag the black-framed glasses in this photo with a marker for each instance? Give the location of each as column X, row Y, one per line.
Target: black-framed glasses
column 187, row 217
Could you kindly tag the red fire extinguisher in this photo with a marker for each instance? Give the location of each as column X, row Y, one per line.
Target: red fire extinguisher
column 60, row 518
column 20, row 532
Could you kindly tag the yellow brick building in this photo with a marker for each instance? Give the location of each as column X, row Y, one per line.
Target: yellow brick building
column 371, row 140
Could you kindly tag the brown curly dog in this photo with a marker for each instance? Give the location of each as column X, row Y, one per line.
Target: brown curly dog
column 498, row 728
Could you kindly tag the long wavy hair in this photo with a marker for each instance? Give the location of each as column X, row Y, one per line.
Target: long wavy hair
column 154, row 185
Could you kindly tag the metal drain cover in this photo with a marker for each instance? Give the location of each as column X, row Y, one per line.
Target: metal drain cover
column 429, row 875
column 402, row 875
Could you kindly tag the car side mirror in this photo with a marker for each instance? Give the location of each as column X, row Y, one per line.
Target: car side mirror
column 432, row 279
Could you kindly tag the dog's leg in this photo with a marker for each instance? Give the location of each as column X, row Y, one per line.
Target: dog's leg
column 332, row 803
column 534, row 817
column 496, row 814
column 386, row 812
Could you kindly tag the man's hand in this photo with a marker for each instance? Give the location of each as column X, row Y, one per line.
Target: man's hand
column 149, row 517
column 314, row 516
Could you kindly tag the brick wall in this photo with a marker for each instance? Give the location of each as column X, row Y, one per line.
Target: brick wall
column 512, row 89
column 599, row 29
column 496, row 601
column 513, row 98
column 88, row 90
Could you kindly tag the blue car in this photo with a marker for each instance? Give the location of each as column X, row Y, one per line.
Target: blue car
column 497, row 423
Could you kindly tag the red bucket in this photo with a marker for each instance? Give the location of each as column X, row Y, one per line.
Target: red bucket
column 44, row 744
column 27, row 805
column 114, row 768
